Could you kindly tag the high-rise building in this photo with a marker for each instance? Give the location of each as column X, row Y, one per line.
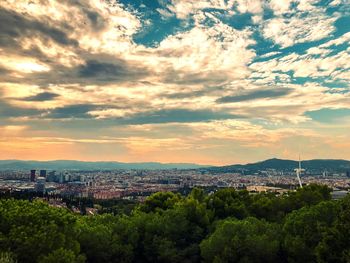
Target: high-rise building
column 51, row 177
column 61, row 178
column 348, row 174
column 32, row 175
column 40, row 184
column 43, row 173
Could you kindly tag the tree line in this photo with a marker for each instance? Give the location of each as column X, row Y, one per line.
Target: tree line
column 224, row 226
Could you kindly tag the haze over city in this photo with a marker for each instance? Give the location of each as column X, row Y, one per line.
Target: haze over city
column 210, row 82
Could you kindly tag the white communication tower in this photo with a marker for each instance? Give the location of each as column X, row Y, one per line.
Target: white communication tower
column 298, row 171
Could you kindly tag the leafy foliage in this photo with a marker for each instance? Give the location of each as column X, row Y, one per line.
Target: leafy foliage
column 248, row 240
column 224, row 226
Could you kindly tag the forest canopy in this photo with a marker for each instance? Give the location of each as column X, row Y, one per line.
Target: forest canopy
column 223, row 226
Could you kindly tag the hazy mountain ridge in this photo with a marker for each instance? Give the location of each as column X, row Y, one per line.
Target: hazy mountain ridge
column 278, row 164
column 81, row 165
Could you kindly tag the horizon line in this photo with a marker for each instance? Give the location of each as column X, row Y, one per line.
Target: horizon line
column 168, row 163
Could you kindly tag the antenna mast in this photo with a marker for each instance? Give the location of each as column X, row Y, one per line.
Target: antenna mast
column 298, row 171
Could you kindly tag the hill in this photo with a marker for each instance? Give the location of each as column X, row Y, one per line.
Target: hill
column 286, row 165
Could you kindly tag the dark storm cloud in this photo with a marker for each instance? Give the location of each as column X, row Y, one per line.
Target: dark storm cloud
column 96, row 20
column 7, row 111
column 255, row 94
column 72, row 111
column 95, row 68
column 14, row 25
column 176, row 115
column 119, row 70
column 44, row 96
column 96, row 71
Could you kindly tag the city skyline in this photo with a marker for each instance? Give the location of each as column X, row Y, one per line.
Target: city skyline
column 210, row 82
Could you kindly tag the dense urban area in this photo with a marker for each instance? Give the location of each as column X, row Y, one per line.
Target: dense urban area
column 138, row 184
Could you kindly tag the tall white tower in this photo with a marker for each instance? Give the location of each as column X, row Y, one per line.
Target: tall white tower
column 298, row 171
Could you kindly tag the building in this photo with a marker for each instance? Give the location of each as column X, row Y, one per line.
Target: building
column 66, row 177
column 82, row 178
column 263, row 188
column 51, row 177
column 339, row 194
column 40, row 184
column 42, row 173
column 32, row 175
column 61, row 178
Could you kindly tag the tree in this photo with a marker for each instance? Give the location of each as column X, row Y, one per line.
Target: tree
column 160, row 201
column 33, row 229
column 229, row 203
column 107, row 238
column 335, row 245
column 62, row 256
column 172, row 235
column 311, row 194
column 7, row 257
column 305, row 228
column 248, row 240
column 267, row 206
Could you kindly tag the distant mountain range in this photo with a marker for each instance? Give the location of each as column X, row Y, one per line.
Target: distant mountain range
column 80, row 165
column 287, row 165
column 278, row 164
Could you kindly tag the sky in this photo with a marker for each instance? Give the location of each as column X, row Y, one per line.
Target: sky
column 196, row 81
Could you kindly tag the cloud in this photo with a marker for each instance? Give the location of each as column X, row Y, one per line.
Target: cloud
column 298, row 28
column 103, row 71
column 3, row 71
column 307, row 65
column 280, row 7
column 22, row 64
column 164, row 13
column 97, row 21
column 176, row 115
column 250, row 6
column 14, row 25
column 44, row 96
column 205, row 54
column 8, row 111
column 338, row 41
column 255, row 94
column 209, row 83
column 184, row 8
column 72, row 111
column 192, row 94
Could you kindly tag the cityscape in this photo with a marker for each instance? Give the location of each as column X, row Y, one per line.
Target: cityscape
column 138, row 184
